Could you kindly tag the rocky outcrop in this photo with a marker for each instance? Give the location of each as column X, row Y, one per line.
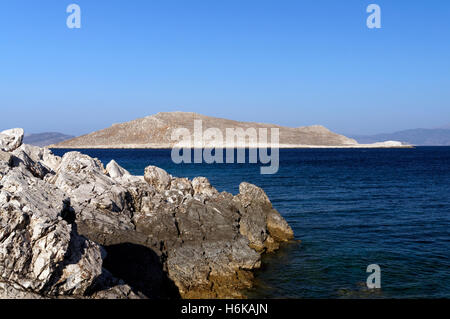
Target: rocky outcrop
column 71, row 228
column 40, row 252
column 260, row 223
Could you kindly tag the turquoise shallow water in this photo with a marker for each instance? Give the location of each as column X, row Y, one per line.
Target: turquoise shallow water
column 350, row 208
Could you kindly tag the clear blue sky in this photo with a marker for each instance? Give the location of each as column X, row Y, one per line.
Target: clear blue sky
column 292, row 63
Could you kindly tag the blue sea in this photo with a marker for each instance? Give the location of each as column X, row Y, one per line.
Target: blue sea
column 349, row 208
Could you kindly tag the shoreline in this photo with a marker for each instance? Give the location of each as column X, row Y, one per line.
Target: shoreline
column 165, row 147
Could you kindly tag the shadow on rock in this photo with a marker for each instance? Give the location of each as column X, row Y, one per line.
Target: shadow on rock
column 141, row 269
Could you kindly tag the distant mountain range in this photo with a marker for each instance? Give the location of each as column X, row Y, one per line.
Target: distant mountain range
column 45, row 139
column 418, row 137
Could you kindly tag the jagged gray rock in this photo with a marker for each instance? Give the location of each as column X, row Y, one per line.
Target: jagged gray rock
column 101, row 203
column 40, row 251
column 260, row 223
column 202, row 187
column 11, row 139
column 6, row 158
column 11, row 291
column 42, row 155
column 35, row 167
column 72, row 229
column 157, row 177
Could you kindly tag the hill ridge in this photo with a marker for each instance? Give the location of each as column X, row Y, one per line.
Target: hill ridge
column 155, row 131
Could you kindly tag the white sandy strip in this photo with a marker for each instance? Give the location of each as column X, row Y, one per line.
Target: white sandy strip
column 388, row 144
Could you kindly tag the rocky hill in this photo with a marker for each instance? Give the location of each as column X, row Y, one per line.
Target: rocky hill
column 155, row 132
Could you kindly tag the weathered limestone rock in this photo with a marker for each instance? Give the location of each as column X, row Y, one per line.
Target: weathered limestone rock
column 36, row 168
column 106, row 286
column 101, row 204
column 278, row 227
column 5, row 157
column 183, row 185
column 157, row 177
column 42, row 155
column 40, row 251
column 249, row 193
column 211, row 255
column 260, row 223
column 11, row 139
column 115, row 171
column 5, row 163
column 11, row 291
column 117, row 292
column 202, row 186
column 69, row 228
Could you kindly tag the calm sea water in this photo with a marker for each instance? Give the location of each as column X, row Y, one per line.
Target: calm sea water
column 350, row 208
